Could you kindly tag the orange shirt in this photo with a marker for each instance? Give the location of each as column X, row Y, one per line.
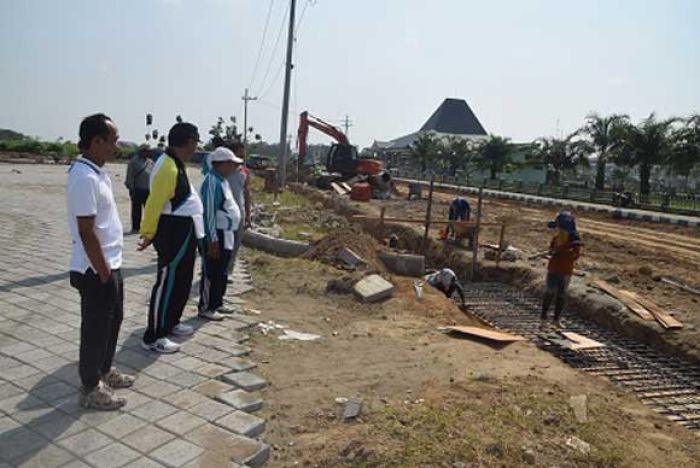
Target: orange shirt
column 564, row 254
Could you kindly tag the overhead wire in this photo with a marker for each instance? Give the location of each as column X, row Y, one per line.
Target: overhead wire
column 262, row 43
column 274, row 48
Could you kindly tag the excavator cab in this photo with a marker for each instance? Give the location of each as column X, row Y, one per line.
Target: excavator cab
column 343, row 159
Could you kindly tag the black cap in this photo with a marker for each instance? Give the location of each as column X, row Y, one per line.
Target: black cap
column 181, row 133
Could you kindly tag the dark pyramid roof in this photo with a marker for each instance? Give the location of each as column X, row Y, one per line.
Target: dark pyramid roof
column 456, row 117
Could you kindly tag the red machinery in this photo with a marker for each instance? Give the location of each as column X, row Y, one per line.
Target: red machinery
column 342, row 158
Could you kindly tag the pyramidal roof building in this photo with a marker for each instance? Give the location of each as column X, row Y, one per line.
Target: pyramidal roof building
column 454, row 117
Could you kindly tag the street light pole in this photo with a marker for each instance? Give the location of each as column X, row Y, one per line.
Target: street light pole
column 282, row 161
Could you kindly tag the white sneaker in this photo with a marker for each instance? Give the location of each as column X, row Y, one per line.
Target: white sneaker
column 182, row 330
column 162, row 345
column 211, row 315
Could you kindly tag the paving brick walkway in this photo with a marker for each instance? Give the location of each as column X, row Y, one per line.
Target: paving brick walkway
column 186, row 409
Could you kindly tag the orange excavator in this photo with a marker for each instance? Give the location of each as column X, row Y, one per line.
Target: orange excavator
column 342, row 161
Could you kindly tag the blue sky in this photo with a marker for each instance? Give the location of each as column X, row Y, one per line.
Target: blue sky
column 528, row 68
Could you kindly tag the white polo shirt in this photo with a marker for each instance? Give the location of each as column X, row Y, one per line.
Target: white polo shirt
column 89, row 193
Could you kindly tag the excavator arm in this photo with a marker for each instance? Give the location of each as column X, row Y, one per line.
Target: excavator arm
column 306, row 121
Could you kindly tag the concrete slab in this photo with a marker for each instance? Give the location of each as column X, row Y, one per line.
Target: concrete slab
column 242, row 400
column 245, row 380
column 406, row 265
column 373, row 288
column 350, row 258
column 242, row 423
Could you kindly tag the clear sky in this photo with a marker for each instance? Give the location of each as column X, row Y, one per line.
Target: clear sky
column 528, row 68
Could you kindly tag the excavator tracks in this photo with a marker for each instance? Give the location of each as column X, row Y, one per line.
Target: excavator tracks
column 666, row 384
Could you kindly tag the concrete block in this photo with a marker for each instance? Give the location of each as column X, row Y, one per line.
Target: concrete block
column 85, row 442
column 406, row 265
column 373, row 288
column 350, row 258
column 242, row 423
column 238, row 364
column 148, row 438
column 245, row 380
column 211, row 410
column 273, row 245
column 180, row 423
column 241, row 400
column 113, row 455
column 177, row 453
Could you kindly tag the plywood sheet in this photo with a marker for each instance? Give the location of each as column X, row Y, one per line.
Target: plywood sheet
column 581, row 342
column 489, row 334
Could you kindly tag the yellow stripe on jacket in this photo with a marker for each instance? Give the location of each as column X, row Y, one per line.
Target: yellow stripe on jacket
column 163, row 183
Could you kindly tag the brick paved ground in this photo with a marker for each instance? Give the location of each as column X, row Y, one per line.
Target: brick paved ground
column 179, row 413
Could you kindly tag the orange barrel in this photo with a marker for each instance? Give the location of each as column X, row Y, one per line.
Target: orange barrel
column 361, row 192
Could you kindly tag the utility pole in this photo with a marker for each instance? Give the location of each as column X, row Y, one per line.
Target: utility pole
column 282, row 161
column 246, row 98
column 347, row 123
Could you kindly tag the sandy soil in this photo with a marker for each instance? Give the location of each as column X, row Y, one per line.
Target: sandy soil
column 392, row 357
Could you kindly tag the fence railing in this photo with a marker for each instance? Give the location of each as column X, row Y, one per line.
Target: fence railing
column 687, row 204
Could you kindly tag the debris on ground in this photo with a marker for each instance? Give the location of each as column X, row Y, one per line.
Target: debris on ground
column 579, row 404
column 350, row 258
column 373, row 288
column 341, row 285
column 353, row 238
column 418, row 288
column 680, row 285
column 269, row 326
column 352, row 409
column 578, row 444
column 298, row 336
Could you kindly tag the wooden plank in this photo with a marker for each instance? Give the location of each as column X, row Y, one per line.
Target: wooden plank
column 661, row 316
column 493, row 335
column 346, row 186
column 625, row 299
column 338, row 189
column 581, row 342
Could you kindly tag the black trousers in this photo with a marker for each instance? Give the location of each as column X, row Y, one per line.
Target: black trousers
column 212, row 288
column 138, row 200
column 101, row 311
column 176, row 244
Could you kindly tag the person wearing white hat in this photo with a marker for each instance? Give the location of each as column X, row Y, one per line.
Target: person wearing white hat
column 222, row 218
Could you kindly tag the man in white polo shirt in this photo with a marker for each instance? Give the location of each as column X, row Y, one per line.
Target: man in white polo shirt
column 96, row 262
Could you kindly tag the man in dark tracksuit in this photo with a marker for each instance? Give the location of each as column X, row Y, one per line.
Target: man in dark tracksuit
column 173, row 223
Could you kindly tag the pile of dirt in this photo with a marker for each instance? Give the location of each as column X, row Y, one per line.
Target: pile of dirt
column 354, row 238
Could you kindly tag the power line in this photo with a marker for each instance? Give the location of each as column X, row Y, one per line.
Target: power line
column 278, row 72
column 262, row 43
column 274, row 48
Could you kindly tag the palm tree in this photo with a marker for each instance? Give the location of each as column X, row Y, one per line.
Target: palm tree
column 495, row 155
column 605, row 134
column 423, row 151
column 560, row 154
column 685, row 154
column 646, row 145
column 459, row 153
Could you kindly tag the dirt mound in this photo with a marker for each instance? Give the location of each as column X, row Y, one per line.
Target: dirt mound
column 326, row 250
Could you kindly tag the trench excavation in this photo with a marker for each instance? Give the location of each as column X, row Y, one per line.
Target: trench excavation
column 666, row 384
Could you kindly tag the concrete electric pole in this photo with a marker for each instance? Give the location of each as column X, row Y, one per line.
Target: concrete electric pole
column 282, row 161
column 246, row 98
column 347, row 123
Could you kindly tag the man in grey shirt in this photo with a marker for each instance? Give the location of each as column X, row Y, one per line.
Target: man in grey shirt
column 239, row 181
column 138, row 176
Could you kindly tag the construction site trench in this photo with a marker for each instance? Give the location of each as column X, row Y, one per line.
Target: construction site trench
column 661, row 374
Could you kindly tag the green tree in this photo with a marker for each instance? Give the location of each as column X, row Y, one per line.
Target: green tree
column 685, row 151
column 459, row 154
column 560, row 154
column 424, row 151
column 494, row 155
column 605, row 136
column 646, row 145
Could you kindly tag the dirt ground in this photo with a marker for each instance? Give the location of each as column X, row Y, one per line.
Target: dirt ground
column 635, row 252
column 429, row 399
